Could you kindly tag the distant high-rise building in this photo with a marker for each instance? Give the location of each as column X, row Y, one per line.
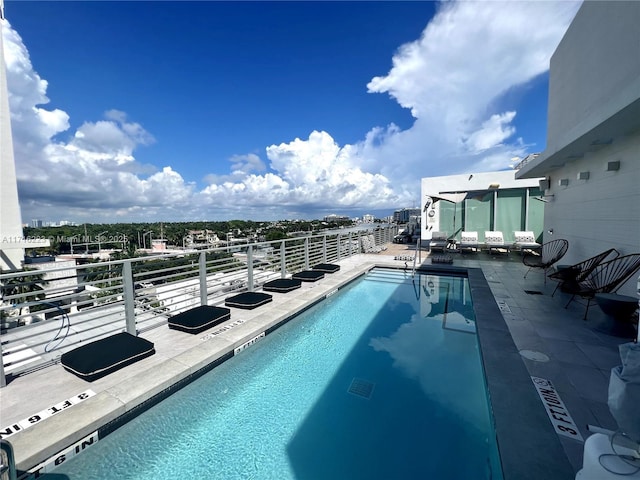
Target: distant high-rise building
column 336, row 218
column 36, row 223
column 404, row 215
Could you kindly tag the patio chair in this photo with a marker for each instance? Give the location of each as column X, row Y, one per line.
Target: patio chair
column 547, row 257
column 438, row 241
column 468, row 241
column 525, row 241
column 606, row 277
column 494, row 240
column 579, row 271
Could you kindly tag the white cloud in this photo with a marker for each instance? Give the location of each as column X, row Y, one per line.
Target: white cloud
column 469, row 55
column 452, row 79
column 311, row 173
column 32, row 125
column 492, row 133
column 94, row 172
column 112, row 136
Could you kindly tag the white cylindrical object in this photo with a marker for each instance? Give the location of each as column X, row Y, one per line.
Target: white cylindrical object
column 593, row 463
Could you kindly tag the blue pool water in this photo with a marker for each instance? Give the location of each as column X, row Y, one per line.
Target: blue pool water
column 382, row 380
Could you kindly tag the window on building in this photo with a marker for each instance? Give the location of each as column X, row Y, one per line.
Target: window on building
column 510, row 213
column 478, row 214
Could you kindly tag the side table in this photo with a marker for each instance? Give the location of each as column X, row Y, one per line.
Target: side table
column 621, row 308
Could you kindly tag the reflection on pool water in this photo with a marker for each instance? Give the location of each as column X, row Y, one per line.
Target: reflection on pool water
column 382, row 380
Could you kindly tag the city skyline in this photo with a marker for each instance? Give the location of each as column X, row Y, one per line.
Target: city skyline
column 216, row 110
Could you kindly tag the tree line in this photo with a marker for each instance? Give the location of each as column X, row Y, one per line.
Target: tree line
column 130, row 237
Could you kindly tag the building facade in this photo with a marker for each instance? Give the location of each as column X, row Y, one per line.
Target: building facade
column 488, row 201
column 404, row 214
column 592, row 160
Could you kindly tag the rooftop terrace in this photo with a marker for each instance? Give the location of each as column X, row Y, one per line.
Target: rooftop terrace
column 523, row 332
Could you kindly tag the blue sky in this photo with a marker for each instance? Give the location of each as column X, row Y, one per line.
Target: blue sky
column 168, row 111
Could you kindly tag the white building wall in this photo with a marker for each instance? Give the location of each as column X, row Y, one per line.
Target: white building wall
column 465, row 183
column 595, row 71
column 594, row 118
column 11, row 239
column 602, row 212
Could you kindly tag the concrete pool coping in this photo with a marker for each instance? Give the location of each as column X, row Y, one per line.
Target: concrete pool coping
column 528, row 444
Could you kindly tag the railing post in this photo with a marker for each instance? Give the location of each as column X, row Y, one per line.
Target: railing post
column 202, row 274
column 250, row 268
column 306, row 252
column 283, row 260
column 3, row 378
column 129, row 298
column 9, row 468
column 324, row 248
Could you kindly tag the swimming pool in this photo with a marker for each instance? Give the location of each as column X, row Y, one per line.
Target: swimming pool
column 381, row 380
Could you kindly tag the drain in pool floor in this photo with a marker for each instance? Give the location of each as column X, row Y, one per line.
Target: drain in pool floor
column 361, row 388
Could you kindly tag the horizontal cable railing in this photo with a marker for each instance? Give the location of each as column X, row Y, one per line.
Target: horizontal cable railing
column 44, row 313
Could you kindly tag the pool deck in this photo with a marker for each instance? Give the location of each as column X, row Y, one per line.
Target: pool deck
column 575, row 355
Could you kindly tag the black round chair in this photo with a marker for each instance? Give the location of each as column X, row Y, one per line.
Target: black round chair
column 548, row 255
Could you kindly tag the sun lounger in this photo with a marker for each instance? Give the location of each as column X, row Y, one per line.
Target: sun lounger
column 494, row 240
column 102, row 357
column 468, row 241
column 282, row 285
column 438, row 241
column 326, row 267
column 525, row 241
column 198, row 319
column 308, row 275
column 248, row 300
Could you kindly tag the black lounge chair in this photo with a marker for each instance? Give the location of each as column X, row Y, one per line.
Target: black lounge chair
column 102, row 357
column 548, row 256
column 326, row 267
column 578, row 272
column 282, row 285
column 198, row 319
column 308, row 275
column 248, row 300
column 439, row 241
column 604, row 278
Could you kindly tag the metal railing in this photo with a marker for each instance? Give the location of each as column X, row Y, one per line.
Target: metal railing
column 44, row 313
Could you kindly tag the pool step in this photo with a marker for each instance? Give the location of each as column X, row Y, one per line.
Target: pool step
column 389, row 277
